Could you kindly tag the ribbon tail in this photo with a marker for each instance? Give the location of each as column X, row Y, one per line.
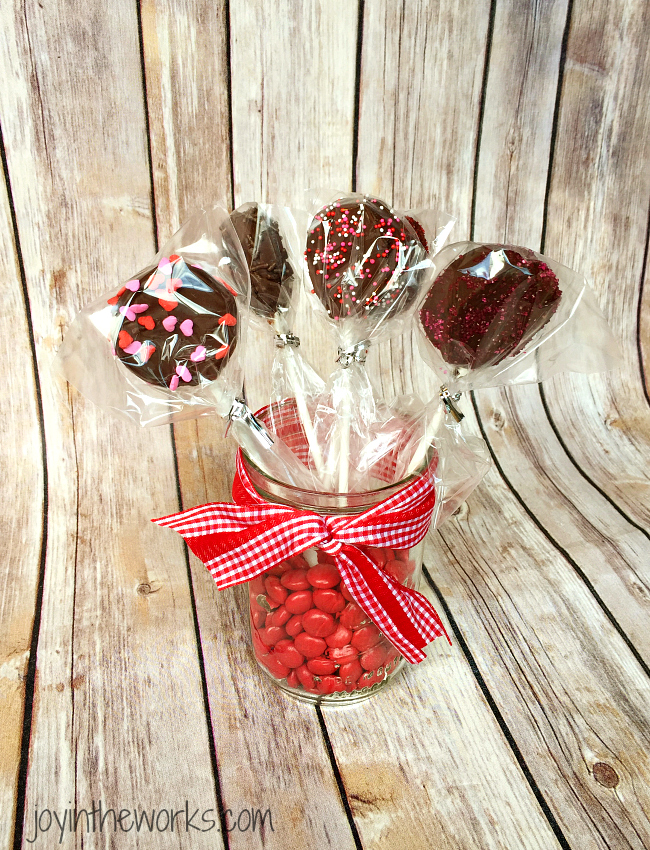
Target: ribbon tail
column 406, row 617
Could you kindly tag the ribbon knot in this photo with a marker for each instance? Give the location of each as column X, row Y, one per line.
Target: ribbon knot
column 237, row 542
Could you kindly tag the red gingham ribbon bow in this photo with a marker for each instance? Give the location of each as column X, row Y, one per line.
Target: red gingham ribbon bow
column 238, row 541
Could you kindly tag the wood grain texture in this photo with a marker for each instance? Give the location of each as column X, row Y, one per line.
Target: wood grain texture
column 185, row 49
column 597, row 221
column 569, row 689
column 519, row 110
column 118, row 713
column 21, row 530
column 425, row 764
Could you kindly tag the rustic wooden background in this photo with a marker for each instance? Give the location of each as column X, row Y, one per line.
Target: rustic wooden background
column 124, row 675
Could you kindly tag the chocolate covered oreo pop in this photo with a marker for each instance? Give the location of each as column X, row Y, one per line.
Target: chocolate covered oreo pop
column 488, row 304
column 362, row 258
column 267, row 259
column 175, row 325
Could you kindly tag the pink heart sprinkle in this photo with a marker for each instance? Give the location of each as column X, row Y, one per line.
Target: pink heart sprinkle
column 165, row 266
column 173, row 284
column 183, row 372
column 128, row 312
column 169, row 323
column 139, row 308
column 173, row 384
column 146, row 351
column 187, row 327
column 133, row 285
column 198, row 354
column 133, row 348
column 157, row 282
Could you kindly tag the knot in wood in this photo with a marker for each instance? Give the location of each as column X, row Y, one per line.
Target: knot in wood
column 143, row 589
column 605, row 775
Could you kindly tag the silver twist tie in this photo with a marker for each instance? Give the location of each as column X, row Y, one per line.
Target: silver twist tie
column 357, row 353
column 241, row 412
column 448, row 400
column 286, row 339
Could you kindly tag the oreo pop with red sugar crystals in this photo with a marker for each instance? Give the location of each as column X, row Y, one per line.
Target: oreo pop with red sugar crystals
column 501, row 314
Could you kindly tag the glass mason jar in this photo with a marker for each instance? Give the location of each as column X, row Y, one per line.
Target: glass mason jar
column 308, row 634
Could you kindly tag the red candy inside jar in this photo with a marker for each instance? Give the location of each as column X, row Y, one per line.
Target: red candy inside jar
column 312, row 638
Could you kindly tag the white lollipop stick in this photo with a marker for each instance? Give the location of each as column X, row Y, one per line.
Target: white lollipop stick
column 425, row 442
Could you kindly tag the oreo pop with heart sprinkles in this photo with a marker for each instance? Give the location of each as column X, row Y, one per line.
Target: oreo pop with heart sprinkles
column 175, row 325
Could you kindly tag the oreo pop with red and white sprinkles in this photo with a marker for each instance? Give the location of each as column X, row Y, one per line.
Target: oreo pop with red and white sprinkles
column 488, row 304
column 363, row 258
column 175, row 325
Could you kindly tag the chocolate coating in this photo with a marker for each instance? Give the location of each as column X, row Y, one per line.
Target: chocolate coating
column 175, row 325
column 360, row 255
column 487, row 304
column 267, row 259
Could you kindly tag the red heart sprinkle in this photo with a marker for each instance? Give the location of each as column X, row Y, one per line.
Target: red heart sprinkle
column 146, row 322
column 228, row 320
column 173, row 258
column 167, row 305
column 124, row 339
column 115, row 298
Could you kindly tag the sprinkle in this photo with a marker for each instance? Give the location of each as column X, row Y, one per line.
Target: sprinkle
column 187, row 327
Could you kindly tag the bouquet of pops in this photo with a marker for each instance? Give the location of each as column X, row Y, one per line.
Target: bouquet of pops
column 336, row 487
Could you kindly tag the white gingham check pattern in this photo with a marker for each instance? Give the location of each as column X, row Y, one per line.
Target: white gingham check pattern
column 238, row 541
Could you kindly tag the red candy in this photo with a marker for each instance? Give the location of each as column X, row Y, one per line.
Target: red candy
column 321, row 666
column 350, row 672
column 343, row 654
column 365, row 637
column 295, row 580
column 315, row 636
column 310, row 646
column 286, row 652
column 294, row 626
column 275, row 589
column 374, row 657
column 328, row 600
column 352, row 616
column 399, row 570
column 279, row 670
column 272, row 634
column 341, row 637
column 323, row 575
column 278, row 617
column 299, row 602
column 318, row 623
column 330, row 684
column 306, row 679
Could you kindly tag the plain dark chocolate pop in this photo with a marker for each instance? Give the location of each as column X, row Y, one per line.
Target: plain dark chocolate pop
column 175, row 325
column 266, row 257
column 487, row 304
column 362, row 258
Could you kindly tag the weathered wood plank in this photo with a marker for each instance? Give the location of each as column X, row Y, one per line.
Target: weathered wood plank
column 597, row 221
column 118, row 713
column 569, row 689
column 185, row 58
column 425, row 764
column 270, row 751
column 21, row 520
